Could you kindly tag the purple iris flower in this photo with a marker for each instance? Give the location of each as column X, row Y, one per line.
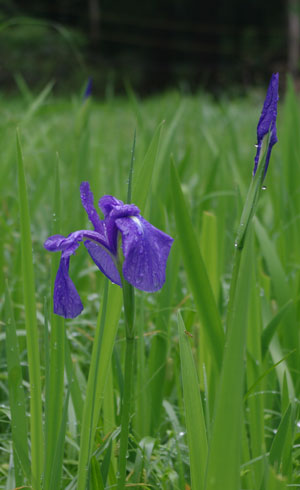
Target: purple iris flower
column 88, row 89
column 267, row 122
column 145, row 250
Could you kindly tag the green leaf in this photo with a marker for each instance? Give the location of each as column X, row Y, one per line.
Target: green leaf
column 209, row 248
column 96, row 476
column 56, row 469
column 271, row 328
column 19, row 426
column 33, row 350
column 277, row 448
column 195, row 422
column 55, row 369
column 142, row 182
column 223, row 468
column 196, row 272
column 106, row 330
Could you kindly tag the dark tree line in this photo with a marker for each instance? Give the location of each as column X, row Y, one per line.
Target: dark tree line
column 162, row 42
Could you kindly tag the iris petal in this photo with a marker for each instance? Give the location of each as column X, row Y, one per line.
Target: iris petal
column 66, row 300
column 146, row 251
column 267, row 121
column 107, row 203
column 103, row 261
column 113, row 209
column 54, row 242
column 87, row 200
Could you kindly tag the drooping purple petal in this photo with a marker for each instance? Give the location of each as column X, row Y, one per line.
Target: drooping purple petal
column 69, row 244
column 66, row 300
column 103, row 261
column 54, row 242
column 87, row 200
column 145, row 250
column 267, row 121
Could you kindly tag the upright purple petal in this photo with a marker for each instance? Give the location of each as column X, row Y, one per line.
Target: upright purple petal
column 66, row 300
column 267, row 121
column 113, row 209
column 69, row 244
column 146, row 251
column 103, row 261
column 87, row 200
column 107, row 203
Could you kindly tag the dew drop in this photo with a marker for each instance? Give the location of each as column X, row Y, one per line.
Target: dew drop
column 264, row 187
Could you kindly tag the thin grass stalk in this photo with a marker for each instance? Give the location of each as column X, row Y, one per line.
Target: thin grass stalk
column 36, row 428
column 55, row 387
column 129, row 357
column 91, row 405
column 223, row 462
column 128, row 298
column 129, row 313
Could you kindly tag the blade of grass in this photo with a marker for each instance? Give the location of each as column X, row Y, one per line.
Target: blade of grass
column 282, row 292
column 223, row 468
column 277, row 448
column 142, row 181
column 271, row 328
column 38, row 101
column 96, row 476
column 160, row 346
column 107, row 325
column 176, row 429
column 36, row 429
column 19, row 426
column 55, row 477
column 196, row 272
column 255, row 412
column 109, row 423
column 275, row 482
column 195, row 422
column 73, row 383
column 55, row 385
column 209, row 249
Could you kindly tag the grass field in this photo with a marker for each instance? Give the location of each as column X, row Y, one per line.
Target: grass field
column 212, row 408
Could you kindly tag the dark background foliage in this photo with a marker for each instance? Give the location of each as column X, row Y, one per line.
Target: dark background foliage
column 153, row 45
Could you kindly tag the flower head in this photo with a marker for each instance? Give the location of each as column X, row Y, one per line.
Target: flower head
column 267, row 122
column 88, row 89
column 142, row 263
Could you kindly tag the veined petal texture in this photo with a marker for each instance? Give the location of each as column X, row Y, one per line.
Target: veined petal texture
column 66, row 300
column 146, row 250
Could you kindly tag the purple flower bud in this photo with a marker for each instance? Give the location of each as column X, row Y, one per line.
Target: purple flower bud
column 267, row 122
column 88, row 89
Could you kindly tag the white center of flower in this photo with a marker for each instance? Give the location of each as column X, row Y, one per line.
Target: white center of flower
column 138, row 222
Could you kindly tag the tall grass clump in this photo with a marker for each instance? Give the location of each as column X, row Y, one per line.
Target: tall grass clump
column 195, row 385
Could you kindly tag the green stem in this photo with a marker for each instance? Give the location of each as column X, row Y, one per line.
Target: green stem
column 233, row 284
column 246, row 218
column 128, row 297
column 126, row 411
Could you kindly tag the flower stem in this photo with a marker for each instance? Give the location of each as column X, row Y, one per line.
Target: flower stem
column 233, row 284
column 128, row 297
column 125, row 411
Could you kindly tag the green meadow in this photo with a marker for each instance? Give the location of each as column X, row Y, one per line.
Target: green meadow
column 212, row 407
